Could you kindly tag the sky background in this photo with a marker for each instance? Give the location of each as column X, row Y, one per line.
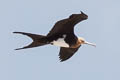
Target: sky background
column 42, row 63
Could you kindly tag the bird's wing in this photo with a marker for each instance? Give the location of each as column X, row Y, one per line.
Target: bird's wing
column 66, row 53
column 67, row 25
column 62, row 26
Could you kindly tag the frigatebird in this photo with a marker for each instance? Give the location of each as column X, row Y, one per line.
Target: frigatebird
column 62, row 35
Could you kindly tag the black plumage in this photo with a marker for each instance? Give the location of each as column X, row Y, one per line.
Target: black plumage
column 62, row 27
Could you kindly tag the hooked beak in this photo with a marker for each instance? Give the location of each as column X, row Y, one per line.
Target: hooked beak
column 92, row 44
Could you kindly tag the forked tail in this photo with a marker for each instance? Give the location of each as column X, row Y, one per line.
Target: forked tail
column 37, row 40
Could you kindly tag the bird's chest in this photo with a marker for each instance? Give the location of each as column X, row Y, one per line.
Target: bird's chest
column 64, row 41
column 60, row 42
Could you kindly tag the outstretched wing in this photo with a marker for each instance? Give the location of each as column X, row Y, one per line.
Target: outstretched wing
column 62, row 26
column 67, row 25
column 66, row 53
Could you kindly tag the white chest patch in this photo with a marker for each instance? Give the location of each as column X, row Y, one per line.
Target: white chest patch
column 60, row 42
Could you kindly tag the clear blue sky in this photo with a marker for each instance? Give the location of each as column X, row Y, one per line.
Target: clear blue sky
column 42, row 63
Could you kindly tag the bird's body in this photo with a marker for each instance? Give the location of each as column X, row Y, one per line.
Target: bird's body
column 62, row 35
column 60, row 42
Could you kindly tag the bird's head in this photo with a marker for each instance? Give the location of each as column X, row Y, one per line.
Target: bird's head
column 82, row 41
column 78, row 17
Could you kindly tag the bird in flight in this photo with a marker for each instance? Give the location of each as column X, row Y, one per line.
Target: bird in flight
column 62, row 35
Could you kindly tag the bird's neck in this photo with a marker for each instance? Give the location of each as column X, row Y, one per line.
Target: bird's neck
column 78, row 43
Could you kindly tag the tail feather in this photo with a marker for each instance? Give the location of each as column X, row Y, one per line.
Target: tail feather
column 36, row 40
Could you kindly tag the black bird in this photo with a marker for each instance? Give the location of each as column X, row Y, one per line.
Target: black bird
column 62, row 35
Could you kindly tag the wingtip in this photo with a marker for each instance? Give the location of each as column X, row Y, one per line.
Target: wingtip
column 16, row 32
column 18, row 48
column 61, row 60
column 13, row 32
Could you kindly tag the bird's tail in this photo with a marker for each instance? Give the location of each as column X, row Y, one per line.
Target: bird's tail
column 38, row 40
